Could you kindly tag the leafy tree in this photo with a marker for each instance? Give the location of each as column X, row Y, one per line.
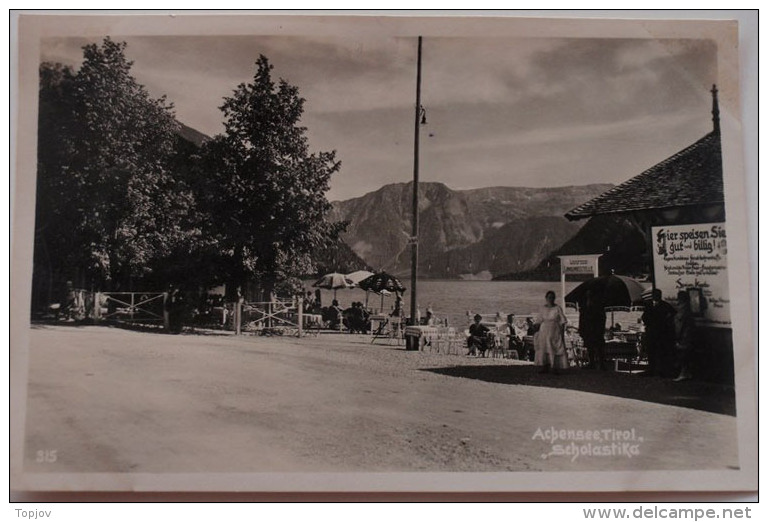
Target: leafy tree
column 109, row 205
column 263, row 190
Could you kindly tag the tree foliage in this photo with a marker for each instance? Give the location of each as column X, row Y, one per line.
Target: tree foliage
column 123, row 200
column 108, row 204
column 264, row 190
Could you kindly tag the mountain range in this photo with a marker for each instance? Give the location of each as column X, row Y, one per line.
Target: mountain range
column 483, row 233
column 477, row 233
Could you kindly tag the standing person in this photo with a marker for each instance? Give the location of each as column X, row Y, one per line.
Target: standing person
column 658, row 339
column 318, row 299
column 592, row 330
column 397, row 312
column 336, row 314
column 175, row 305
column 684, row 331
column 309, row 303
column 549, row 341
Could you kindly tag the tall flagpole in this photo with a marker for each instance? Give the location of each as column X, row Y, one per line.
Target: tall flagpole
column 415, row 232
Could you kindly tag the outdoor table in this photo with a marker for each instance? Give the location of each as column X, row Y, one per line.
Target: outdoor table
column 384, row 326
column 617, row 349
column 417, row 336
column 493, row 325
column 377, row 321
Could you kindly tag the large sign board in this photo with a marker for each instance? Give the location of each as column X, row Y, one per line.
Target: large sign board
column 694, row 258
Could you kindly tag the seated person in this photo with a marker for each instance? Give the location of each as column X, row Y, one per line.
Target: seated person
column 513, row 334
column 332, row 315
column 346, row 317
column 429, row 320
column 365, row 318
column 354, row 318
column 530, row 326
column 478, row 337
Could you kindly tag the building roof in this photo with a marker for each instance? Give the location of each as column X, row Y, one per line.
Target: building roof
column 692, row 177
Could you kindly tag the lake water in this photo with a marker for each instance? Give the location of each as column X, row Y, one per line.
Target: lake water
column 452, row 299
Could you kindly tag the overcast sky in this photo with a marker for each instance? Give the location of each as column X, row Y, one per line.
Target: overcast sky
column 533, row 112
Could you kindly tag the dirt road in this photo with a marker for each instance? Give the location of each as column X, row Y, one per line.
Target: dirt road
column 112, row 400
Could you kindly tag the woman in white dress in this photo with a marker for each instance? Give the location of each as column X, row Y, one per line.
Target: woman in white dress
column 549, row 341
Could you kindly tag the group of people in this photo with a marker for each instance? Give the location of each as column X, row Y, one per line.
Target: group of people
column 313, row 304
column 479, row 340
column 356, row 318
column 547, row 329
column 669, row 334
column 667, row 341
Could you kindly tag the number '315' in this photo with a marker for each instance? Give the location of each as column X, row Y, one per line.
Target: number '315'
column 46, row 456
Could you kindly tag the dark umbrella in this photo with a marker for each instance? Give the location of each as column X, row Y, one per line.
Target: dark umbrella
column 381, row 281
column 612, row 290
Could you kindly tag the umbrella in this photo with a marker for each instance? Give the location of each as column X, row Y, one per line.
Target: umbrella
column 614, row 290
column 333, row 281
column 382, row 281
column 359, row 275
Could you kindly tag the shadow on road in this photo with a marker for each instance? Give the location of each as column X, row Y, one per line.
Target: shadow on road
column 711, row 397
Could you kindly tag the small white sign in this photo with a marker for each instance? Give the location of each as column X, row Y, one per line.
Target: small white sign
column 584, row 264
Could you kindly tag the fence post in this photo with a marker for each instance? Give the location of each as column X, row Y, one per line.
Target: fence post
column 238, row 316
column 300, row 305
column 166, row 315
column 96, row 307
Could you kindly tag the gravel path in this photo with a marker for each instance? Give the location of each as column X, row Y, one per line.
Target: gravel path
column 113, row 400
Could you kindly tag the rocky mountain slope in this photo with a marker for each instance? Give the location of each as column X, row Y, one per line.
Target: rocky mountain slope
column 622, row 247
column 463, row 233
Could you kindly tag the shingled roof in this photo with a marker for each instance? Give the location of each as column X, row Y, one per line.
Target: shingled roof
column 692, row 177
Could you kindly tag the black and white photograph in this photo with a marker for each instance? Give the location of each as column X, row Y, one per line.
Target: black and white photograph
column 371, row 253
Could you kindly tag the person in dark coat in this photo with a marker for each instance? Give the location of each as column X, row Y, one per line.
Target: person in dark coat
column 335, row 315
column 478, row 336
column 659, row 337
column 175, row 307
column 592, row 330
column 398, row 310
column 684, row 332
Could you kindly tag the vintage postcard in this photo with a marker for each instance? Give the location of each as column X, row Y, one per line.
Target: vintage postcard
column 259, row 252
